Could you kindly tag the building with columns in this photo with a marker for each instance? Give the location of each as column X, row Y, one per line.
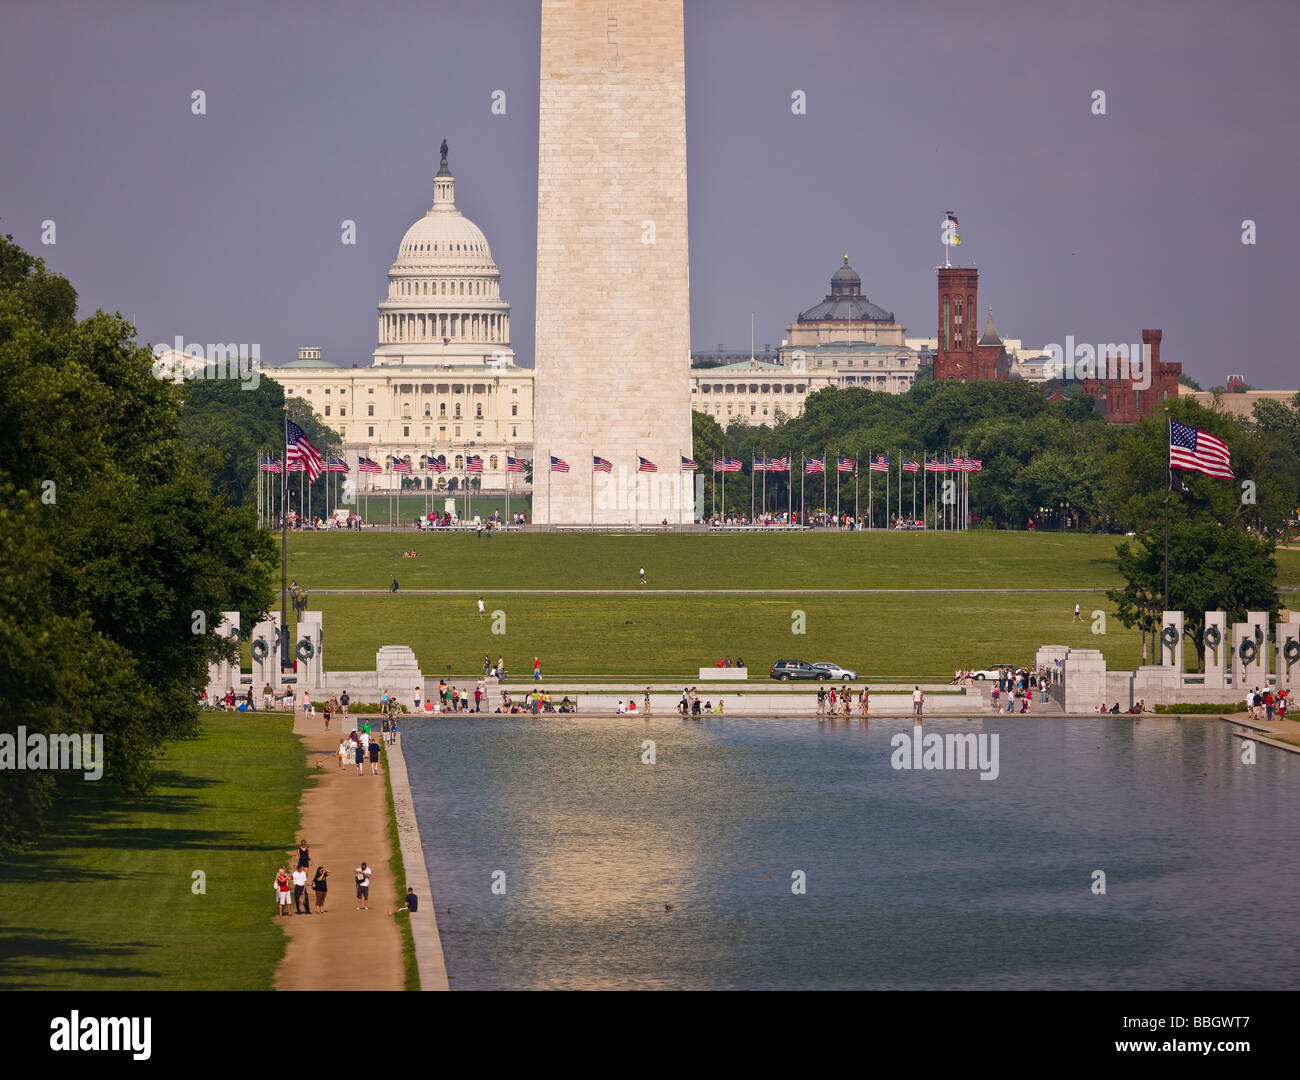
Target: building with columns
column 845, row 341
column 444, row 382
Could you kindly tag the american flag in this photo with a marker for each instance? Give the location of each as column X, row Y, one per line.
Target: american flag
column 337, row 464
column 959, row 464
column 513, row 464
column 727, row 465
column 299, row 448
column 401, row 465
column 559, row 464
column 438, row 464
column 911, row 466
column 270, row 464
column 778, row 464
column 599, row 464
column 689, row 465
column 295, row 466
column 934, row 465
column 474, row 463
column 879, row 463
column 846, row 465
column 645, row 465
column 975, row 465
column 814, row 465
column 760, row 465
column 366, row 465
column 1191, row 448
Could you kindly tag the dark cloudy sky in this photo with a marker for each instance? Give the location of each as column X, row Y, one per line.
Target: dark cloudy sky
column 226, row 227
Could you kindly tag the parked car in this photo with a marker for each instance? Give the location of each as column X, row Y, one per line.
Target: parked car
column 834, row 671
column 992, row 672
column 785, row 670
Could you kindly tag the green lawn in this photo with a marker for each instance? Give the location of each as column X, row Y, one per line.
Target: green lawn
column 884, row 637
column 104, row 902
column 866, row 560
column 406, row 508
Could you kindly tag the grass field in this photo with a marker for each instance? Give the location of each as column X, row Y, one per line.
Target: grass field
column 105, row 901
column 406, row 508
column 824, row 560
column 884, row 636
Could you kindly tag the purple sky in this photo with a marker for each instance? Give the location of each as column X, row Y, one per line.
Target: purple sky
column 226, row 227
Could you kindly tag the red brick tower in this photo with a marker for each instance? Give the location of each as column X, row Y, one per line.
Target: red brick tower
column 954, row 358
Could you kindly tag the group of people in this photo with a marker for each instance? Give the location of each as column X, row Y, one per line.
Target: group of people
column 688, row 705
column 359, row 745
column 535, row 701
column 1265, row 701
column 838, row 701
column 725, row 662
column 297, row 881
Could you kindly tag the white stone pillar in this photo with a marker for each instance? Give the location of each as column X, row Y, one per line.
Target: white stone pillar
column 1217, row 658
column 310, row 669
column 1172, row 656
column 1244, row 676
column 1287, row 635
column 1258, row 621
column 222, row 674
column 266, row 670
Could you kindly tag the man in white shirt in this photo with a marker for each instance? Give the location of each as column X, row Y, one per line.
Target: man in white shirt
column 918, row 699
column 301, row 904
column 363, row 873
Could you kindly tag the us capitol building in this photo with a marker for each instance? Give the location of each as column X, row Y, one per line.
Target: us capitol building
column 444, row 380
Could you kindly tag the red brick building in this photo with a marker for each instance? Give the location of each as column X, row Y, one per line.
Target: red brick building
column 959, row 357
column 1122, row 400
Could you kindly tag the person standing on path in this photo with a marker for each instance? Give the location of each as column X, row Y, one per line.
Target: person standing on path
column 282, row 891
column 478, row 695
column 501, row 668
column 374, row 757
column 918, row 701
column 360, row 757
column 647, row 701
column 320, row 886
column 821, row 701
column 343, row 753
column 301, row 905
column 304, row 855
column 537, row 670
column 344, row 702
column 864, row 700
column 363, row 874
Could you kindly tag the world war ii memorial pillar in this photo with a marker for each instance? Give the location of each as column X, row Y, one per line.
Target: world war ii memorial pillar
column 613, row 300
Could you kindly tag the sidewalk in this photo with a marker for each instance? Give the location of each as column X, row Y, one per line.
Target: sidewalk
column 344, row 821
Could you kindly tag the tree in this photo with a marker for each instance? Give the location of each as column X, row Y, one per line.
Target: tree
column 116, row 558
column 1211, row 568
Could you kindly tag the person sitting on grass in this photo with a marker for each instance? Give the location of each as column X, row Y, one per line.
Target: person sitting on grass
column 412, row 904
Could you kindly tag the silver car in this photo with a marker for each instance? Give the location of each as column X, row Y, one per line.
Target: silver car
column 835, row 671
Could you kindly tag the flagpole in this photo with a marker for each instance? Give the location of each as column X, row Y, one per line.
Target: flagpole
column 1169, row 485
column 284, row 550
column 765, row 483
column 636, row 500
column 837, row 489
column 856, row 511
column 789, row 489
column 713, row 490
column 751, row 489
column 803, row 469
column 871, row 501
column 826, row 480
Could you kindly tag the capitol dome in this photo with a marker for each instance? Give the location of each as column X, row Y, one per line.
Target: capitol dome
column 444, row 302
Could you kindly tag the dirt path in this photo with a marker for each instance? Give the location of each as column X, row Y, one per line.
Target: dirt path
column 345, row 821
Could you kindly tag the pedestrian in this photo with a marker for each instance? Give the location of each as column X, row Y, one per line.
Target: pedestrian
column 487, row 666
column 306, row 702
column 481, row 612
column 918, row 701
column 267, row 698
column 360, row 757
column 417, row 699
column 282, row 890
column 647, row 701
column 821, row 701
column 1268, row 705
column 501, row 668
column 320, row 886
column 864, row 701
column 412, row 903
column 327, row 708
column 363, row 874
column 537, row 670
column 343, row 752
column 392, row 731
column 1077, row 616
column 344, row 702
column 374, row 757
column 478, row 697
column 304, row 855
column 301, row 905
column 394, row 588
column 643, row 575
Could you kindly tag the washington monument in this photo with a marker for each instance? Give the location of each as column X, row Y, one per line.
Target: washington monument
column 613, row 297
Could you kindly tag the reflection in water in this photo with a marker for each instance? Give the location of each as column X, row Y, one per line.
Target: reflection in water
column 679, row 873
